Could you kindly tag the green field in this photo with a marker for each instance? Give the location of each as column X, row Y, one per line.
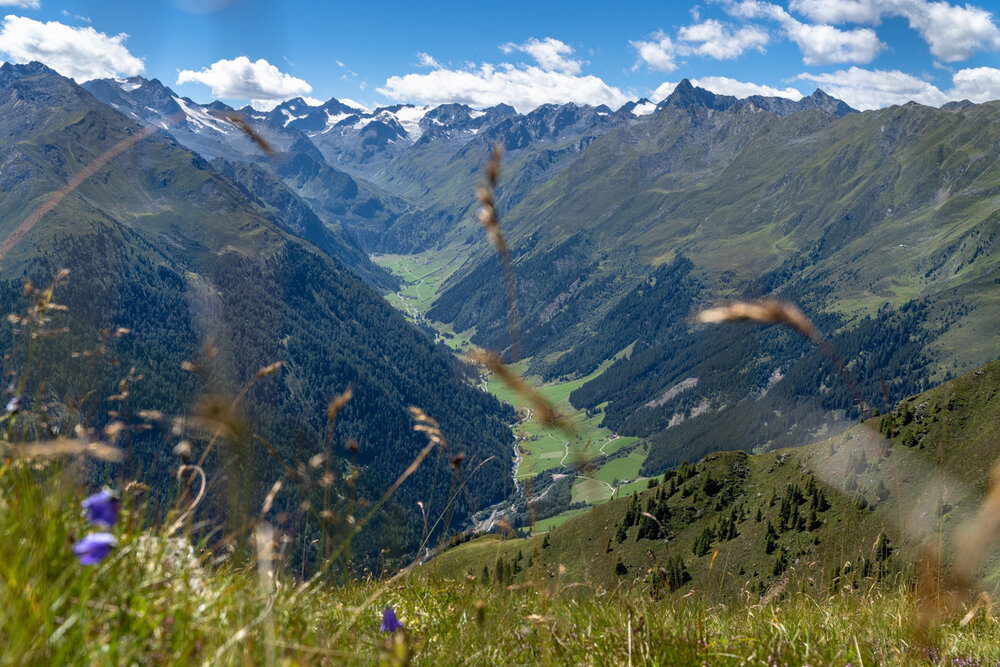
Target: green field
column 540, row 448
column 423, row 275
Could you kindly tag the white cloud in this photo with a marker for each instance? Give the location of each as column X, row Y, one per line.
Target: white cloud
column 551, row 54
column 524, row 88
column 978, row 84
column 240, row 79
column 26, row 4
column 820, row 44
column 720, row 41
column 723, row 85
column 709, row 39
column 658, row 54
column 839, row 11
column 824, row 44
column 953, row 32
column 871, row 89
column 80, row 53
column 427, row 60
column 85, row 19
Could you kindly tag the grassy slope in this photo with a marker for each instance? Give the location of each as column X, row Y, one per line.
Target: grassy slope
column 147, row 602
column 912, row 494
column 140, row 605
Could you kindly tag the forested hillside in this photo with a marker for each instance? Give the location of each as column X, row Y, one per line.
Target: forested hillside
column 159, row 243
column 847, row 513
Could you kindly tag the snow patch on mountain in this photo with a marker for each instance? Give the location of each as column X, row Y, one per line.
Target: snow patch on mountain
column 129, row 85
column 644, row 109
column 200, row 118
column 409, row 117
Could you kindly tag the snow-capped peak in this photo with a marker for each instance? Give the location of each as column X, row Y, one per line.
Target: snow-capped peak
column 643, row 108
column 409, row 117
column 200, row 118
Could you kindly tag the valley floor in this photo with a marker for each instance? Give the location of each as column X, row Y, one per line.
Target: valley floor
column 538, row 448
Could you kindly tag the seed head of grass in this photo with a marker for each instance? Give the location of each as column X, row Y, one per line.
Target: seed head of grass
column 768, row 311
column 544, row 411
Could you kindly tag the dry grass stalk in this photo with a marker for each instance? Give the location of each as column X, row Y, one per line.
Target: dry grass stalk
column 768, row 311
column 490, row 221
column 337, row 404
column 943, row 590
column 69, row 447
column 771, row 311
column 974, row 539
column 240, row 122
column 269, row 500
column 544, row 411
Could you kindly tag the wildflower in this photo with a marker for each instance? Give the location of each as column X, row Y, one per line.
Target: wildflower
column 94, row 547
column 389, row 621
column 102, row 508
column 14, row 404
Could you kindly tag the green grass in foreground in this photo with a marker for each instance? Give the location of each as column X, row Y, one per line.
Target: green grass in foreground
column 156, row 599
column 144, row 605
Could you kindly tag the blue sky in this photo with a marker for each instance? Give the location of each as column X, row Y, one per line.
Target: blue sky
column 868, row 52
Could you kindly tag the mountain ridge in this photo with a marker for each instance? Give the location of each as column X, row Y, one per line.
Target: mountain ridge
column 159, row 243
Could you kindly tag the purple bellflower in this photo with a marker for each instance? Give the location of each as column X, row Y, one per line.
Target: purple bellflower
column 389, row 621
column 14, row 404
column 102, row 508
column 94, row 547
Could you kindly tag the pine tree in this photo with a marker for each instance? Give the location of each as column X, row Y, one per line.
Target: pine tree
column 770, row 539
column 703, row 543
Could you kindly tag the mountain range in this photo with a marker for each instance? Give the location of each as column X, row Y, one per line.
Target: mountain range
column 623, row 224
column 182, row 255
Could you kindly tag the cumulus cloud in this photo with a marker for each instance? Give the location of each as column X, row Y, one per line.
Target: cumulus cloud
column 820, row 44
column 663, row 91
column 524, row 88
column 715, row 39
column 659, row 53
column 80, row 53
column 242, row 79
column 551, row 54
column 709, row 39
column 824, row 44
column 871, row 89
column 977, row 84
column 557, row 78
column 953, row 32
column 839, row 11
column 723, row 85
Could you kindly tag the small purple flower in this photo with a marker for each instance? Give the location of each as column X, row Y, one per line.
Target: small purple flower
column 389, row 621
column 102, row 508
column 14, row 404
column 94, row 547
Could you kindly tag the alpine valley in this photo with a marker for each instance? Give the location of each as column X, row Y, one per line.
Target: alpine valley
column 882, row 226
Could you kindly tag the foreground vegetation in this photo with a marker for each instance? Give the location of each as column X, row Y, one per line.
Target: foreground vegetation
column 164, row 595
column 153, row 601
